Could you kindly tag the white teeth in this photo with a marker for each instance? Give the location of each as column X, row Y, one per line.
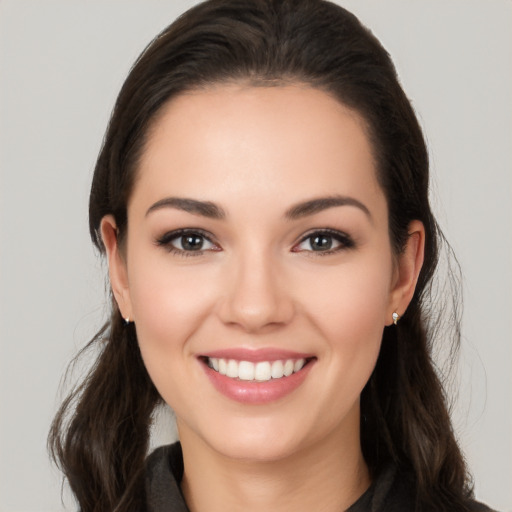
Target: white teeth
column 223, row 366
column 277, row 369
column 288, row 368
column 245, row 370
column 261, row 371
column 299, row 364
column 232, row 370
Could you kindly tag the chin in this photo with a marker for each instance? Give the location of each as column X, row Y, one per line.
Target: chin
column 262, row 440
column 257, row 450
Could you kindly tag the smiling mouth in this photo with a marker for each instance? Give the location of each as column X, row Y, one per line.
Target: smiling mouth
column 262, row 371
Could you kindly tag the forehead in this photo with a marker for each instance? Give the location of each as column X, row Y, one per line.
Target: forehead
column 243, row 140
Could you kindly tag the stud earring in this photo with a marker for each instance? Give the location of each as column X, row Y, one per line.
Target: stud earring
column 396, row 317
column 127, row 320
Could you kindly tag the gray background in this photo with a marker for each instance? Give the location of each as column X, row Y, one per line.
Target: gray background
column 62, row 63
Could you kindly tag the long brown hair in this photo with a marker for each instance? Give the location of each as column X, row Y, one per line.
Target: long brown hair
column 100, row 435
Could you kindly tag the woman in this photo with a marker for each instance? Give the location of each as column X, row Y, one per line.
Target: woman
column 262, row 199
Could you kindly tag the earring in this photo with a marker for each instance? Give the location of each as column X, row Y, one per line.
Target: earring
column 396, row 317
column 127, row 320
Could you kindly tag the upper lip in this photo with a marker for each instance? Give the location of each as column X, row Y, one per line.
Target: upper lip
column 256, row 355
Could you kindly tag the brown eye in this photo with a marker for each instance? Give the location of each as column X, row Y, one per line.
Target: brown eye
column 324, row 242
column 192, row 242
column 187, row 242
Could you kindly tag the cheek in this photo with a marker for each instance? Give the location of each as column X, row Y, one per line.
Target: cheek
column 168, row 303
column 350, row 314
column 168, row 308
column 355, row 300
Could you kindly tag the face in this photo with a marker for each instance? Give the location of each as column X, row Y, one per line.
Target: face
column 258, row 268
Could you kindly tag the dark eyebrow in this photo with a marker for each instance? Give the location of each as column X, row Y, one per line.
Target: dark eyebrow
column 323, row 203
column 204, row 208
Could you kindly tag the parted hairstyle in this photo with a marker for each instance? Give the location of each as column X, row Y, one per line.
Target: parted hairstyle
column 100, row 436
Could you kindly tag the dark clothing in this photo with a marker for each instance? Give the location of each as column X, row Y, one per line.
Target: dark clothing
column 163, row 476
column 390, row 492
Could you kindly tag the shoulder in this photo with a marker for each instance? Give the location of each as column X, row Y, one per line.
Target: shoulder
column 166, row 458
column 394, row 491
column 476, row 506
column 164, row 471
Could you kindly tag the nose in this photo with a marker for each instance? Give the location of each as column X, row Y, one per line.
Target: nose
column 256, row 297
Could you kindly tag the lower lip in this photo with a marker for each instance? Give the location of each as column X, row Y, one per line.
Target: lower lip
column 253, row 392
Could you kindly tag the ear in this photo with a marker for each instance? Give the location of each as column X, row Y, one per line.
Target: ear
column 408, row 268
column 116, row 266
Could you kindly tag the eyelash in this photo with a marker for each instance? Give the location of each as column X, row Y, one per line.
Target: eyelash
column 344, row 240
column 165, row 241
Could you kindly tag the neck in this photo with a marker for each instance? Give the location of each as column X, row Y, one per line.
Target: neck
column 329, row 476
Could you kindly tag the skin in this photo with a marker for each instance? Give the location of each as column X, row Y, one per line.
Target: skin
column 256, row 153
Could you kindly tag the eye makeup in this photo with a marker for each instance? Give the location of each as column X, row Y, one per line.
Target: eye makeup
column 323, row 242
column 187, row 242
column 195, row 242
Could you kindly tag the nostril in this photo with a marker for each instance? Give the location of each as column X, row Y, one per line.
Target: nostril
column 255, row 296
column 252, row 317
